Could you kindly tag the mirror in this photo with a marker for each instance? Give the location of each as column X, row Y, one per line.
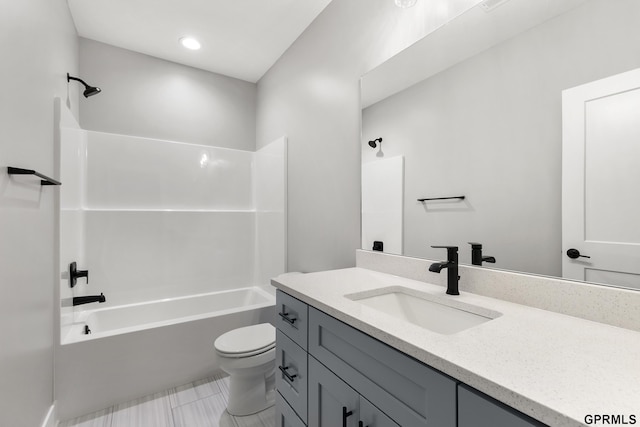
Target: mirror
column 475, row 109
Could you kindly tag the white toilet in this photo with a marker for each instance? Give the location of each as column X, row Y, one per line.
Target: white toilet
column 248, row 355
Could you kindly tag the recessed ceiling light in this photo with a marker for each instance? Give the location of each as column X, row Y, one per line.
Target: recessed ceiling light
column 190, row 43
column 405, row 3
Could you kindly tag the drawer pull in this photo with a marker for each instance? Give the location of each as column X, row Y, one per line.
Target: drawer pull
column 286, row 374
column 286, row 318
column 345, row 415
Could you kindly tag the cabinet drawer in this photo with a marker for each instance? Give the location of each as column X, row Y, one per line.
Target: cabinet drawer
column 476, row 409
column 292, row 318
column 291, row 373
column 410, row 393
column 285, row 416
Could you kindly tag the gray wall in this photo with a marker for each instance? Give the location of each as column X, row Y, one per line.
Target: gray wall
column 490, row 128
column 312, row 95
column 150, row 97
column 38, row 46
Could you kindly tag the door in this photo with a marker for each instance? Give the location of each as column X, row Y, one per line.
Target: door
column 601, row 181
column 332, row 403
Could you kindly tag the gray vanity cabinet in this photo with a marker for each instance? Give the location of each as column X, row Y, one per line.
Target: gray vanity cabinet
column 476, row 409
column 334, row 375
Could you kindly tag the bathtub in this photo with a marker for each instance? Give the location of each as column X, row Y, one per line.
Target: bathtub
column 137, row 349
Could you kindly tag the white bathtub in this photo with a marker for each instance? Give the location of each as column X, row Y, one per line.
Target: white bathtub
column 104, row 322
column 138, row 349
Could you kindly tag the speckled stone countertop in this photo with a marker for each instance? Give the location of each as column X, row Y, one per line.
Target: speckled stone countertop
column 553, row 367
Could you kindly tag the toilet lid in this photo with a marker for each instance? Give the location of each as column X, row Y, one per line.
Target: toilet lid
column 250, row 339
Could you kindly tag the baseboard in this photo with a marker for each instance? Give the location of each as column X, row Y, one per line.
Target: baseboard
column 50, row 420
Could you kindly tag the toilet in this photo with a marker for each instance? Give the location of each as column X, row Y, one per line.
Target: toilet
column 248, row 355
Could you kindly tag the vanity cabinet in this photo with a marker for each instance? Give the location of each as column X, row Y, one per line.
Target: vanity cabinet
column 331, row 374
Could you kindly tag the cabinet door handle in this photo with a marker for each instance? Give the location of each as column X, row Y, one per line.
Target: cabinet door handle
column 286, row 318
column 345, row 415
column 286, row 374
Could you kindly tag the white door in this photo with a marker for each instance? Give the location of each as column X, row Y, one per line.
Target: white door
column 601, row 181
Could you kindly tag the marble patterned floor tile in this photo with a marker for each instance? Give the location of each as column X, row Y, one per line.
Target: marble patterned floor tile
column 268, row 417
column 149, row 411
column 207, row 412
column 261, row 419
column 223, row 382
column 96, row 419
column 193, row 391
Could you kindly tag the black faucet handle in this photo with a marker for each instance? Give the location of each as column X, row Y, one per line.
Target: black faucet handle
column 74, row 274
column 451, row 250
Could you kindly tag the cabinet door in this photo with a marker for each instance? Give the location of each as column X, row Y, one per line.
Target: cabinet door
column 478, row 410
column 332, row 403
column 370, row 416
column 285, row 416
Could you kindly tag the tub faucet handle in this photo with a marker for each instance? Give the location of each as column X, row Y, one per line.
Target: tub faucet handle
column 74, row 273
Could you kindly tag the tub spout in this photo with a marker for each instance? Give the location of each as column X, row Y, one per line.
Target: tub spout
column 88, row 299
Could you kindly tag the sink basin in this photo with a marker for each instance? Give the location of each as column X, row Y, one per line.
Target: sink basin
column 437, row 314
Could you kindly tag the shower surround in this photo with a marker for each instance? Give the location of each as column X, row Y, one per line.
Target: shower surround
column 157, row 221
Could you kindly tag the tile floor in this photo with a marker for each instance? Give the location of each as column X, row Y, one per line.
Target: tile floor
column 198, row 404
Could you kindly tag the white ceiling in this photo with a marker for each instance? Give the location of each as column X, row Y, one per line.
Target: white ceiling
column 240, row 38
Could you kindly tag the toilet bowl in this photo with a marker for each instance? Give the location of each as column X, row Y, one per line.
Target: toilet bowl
column 248, row 355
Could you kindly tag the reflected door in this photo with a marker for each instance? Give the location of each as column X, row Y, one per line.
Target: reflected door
column 601, row 181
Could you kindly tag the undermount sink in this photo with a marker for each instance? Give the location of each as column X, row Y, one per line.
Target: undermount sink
column 443, row 315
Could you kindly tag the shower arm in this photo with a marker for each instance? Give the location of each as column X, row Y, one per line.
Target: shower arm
column 69, row 78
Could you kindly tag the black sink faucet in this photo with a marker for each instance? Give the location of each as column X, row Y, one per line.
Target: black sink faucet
column 476, row 255
column 88, row 299
column 451, row 264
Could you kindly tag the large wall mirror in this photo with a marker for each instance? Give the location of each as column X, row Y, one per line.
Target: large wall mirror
column 483, row 108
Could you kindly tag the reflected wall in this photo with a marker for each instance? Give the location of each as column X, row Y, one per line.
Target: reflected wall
column 490, row 128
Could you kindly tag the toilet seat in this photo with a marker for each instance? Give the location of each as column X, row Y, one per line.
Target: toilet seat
column 246, row 342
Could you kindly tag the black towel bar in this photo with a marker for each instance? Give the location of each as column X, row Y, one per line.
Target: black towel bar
column 45, row 179
column 441, row 198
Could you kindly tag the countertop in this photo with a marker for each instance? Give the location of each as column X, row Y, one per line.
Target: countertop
column 553, row 367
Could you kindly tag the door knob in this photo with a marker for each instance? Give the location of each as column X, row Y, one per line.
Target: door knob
column 574, row 253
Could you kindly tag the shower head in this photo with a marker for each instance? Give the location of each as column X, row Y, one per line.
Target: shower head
column 372, row 144
column 91, row 90
column 88, row 90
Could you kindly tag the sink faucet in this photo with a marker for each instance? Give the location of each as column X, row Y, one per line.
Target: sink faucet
column 476, row 255
column 88, row 299
column 451, row 264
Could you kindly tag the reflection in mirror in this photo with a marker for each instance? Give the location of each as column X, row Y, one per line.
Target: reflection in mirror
column 478, row 111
